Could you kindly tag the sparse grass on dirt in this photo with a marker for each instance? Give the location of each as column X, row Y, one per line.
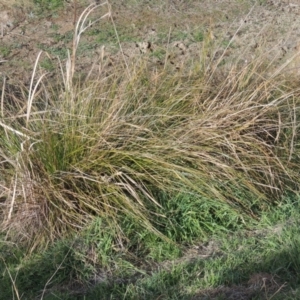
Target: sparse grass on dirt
column 146, row 182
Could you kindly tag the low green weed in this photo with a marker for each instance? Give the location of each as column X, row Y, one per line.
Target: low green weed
column 49, row 4
column 47, row 64
column 5, row 51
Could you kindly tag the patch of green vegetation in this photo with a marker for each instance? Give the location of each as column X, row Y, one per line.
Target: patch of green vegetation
column 84, row 49
column 189, row 216
column 66, row 38
column 49, row 4
column 195, row 35
column 164, row 37
column 57, row 37
column 54, row 27
column 5, row 51
column 54, row 51
column 179, row 35
column 227, row 43
column 47, row 64
column 269, row 254
column 60, row 264
column 198, row 36
column 159, row 53
column 261, row 2
column 141, row 266
column 105, row 34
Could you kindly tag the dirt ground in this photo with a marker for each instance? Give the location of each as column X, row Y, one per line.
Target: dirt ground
column 162, row 32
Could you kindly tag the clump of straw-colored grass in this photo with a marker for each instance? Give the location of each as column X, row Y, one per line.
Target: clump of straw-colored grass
column 106, row 146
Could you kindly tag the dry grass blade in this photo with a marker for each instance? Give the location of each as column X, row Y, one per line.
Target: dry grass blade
column 12, row 281
column 81, row 26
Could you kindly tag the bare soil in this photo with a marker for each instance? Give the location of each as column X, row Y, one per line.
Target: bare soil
column 161, row 32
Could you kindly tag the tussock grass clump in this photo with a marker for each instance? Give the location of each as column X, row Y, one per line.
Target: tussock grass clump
column 224, row 136
column 108, row 147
